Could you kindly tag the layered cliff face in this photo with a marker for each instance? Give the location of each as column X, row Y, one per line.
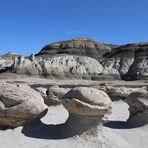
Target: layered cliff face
column 83, row 58
column 78, row 46
column 59, row 66
column 129, row 60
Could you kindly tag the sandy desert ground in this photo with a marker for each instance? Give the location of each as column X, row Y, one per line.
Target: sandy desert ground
column 44, row 133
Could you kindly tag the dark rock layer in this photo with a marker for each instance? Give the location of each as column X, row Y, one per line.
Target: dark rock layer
column 77, row 46
column 78, row 58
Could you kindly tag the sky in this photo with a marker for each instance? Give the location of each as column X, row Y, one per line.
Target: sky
column 28, row 25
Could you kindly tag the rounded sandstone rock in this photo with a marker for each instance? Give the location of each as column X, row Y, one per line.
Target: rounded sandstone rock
column 87, row 101
column 19, row 104
column 138, row 107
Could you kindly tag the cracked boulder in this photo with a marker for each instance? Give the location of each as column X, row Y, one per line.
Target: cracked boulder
column 19, row 104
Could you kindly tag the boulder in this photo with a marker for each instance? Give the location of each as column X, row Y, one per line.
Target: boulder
column 117, row 93
column 138, row 107
column 54, row 94
column 42, row 92
column 19, row 104
column 87, row 101
column 88, row 109
column 58, row 91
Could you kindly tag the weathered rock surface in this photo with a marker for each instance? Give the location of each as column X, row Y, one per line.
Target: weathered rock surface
column 117, row 93
column 113, row 59
column 138, row 107
column 139, row 69
column 5, row 65
column 87, row 108
column 6, row 61
column 19, row 104
column 129, row 60
column 54, row 94
column 23, row 65
column 52, row 99
column 72, row 66
column 59, row 66
column 42, row 92
column 77, row 46
column 87, row 101
column 47, row 132
column 82, row 58
column 59, row 92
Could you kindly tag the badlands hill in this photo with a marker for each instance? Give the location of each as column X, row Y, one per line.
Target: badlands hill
column 84, row 59
column 77, row 46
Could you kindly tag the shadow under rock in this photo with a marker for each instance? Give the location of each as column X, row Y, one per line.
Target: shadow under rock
column 40, row 130
column 123, row 125
column 3, row 127
column 43, row 131
column 117, row 125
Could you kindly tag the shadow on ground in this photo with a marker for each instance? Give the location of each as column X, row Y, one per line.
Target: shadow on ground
column 43, row 131
column 123, row 125
column 117, row 125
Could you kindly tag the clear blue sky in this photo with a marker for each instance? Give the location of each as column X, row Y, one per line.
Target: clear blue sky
column 27, row 25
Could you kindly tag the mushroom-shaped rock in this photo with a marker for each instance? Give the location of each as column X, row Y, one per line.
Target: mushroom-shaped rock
column 138, row 108
column 87, row 107
column 19, row 104
column 55, row 93
column 117, row 93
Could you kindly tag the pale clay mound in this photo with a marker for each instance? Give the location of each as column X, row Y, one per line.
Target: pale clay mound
column 44, row 133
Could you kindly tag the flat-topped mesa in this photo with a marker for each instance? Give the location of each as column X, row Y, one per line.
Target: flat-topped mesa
column 77, row 46
column 88, row 109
